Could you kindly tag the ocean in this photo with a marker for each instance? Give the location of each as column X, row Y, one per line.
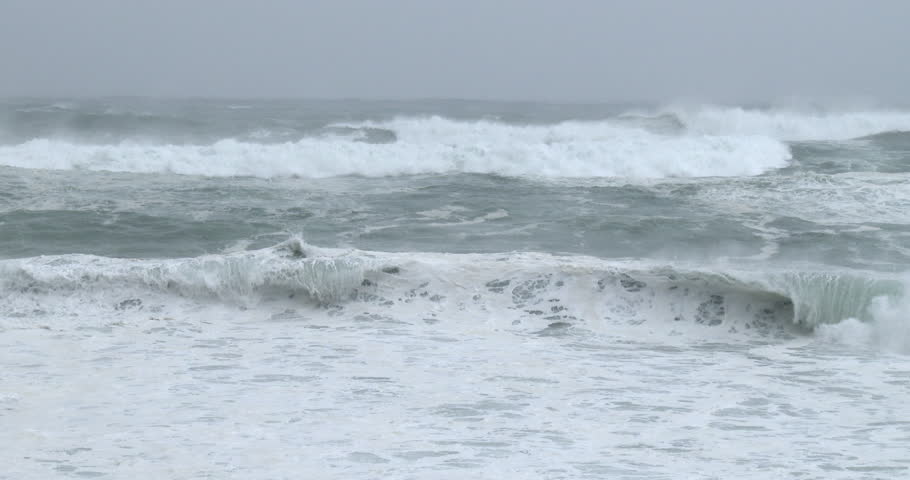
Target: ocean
column 453, row 289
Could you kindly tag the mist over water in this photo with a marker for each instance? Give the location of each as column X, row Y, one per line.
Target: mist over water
column 452, row 289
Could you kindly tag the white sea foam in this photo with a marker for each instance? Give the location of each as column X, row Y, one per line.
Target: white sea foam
column 850, row 198
column 783, row 124
column 428, row 146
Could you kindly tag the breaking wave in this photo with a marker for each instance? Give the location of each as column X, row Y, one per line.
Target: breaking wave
column 433, row 145
column 674, row 141
column 516, row 290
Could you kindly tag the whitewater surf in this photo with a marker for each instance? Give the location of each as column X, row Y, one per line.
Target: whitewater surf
column 659, row 289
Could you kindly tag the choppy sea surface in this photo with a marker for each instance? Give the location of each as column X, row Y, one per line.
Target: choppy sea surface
column 453, row 289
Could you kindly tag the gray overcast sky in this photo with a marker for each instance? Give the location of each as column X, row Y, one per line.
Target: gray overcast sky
column 500, row 49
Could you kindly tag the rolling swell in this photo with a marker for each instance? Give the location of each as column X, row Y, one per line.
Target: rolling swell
column 523, row 290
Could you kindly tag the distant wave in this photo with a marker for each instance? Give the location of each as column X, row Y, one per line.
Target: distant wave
column 429, row 145
column 529, row 288
column 892, row 137
column 788, row 125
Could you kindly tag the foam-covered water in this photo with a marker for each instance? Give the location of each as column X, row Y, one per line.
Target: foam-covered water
column 194, row 289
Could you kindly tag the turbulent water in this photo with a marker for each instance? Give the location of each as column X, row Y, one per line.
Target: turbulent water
column 451, row 289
